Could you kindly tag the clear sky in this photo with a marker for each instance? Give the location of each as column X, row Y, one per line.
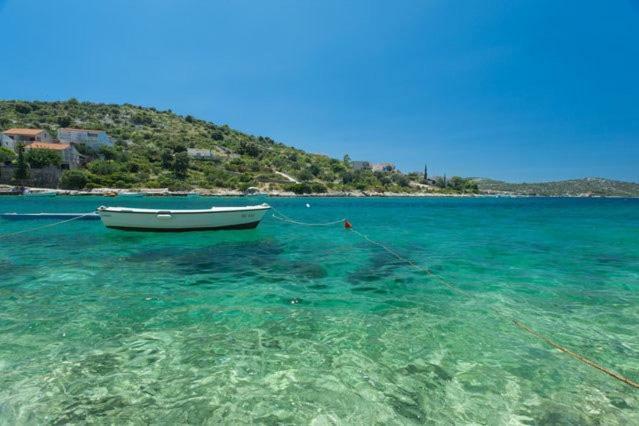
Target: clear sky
column 516, row 90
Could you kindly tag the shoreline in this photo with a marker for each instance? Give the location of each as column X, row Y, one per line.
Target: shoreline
column 165, row 192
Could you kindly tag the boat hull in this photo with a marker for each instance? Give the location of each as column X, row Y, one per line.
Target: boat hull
column 182, row 220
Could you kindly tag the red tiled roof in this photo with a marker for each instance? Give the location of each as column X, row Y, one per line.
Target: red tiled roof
column 45, row 145
column 23, row 132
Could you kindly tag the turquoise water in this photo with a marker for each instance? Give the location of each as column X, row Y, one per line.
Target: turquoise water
column 291, row 324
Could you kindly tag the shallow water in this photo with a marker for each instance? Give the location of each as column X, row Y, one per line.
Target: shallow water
column 291, row 324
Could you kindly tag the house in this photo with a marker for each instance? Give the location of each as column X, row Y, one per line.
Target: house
column 69, row 155
column 94, row 139
column 200, row 154
column 383, row 167
column 7, row 142
column 361, row 165
column 12, row 137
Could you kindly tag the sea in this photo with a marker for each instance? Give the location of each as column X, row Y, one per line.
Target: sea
column 409, row 320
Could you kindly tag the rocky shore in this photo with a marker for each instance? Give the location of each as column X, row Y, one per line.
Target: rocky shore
column 219, row 192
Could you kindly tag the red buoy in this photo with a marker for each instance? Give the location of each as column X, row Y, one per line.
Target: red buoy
column 347, row 224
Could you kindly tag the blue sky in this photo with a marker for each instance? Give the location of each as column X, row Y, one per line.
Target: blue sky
column 515, row 90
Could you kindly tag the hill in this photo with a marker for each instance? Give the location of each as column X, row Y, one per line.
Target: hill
column 574, row 187
column 150, row 150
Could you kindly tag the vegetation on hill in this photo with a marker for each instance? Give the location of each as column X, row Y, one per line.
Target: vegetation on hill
column 574, row 187
column 150, row 151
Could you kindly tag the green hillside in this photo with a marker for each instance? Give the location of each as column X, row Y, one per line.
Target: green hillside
column 151, row 144
column 574, row 187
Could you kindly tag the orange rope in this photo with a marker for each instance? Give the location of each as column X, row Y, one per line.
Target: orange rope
column 454, row 288
column 517, row 323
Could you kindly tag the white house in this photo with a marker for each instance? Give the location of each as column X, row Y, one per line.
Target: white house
column 12, row 137
column 383, row 167
column 94, row 139
column 7, row 142
column 69, row 155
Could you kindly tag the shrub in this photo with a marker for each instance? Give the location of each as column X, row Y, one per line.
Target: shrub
column 133, row 167
column 103, row 167
column 249, row 148
column 39, row 158
column 181, row 165
column 471, row 186
column 440, row 182
column 64, row 121
column 401, row 180
column 23, row 108
column 73, row 179
column 6, row 155
column 108, row 152
column 306, row 188
column 305, row 175
column 142, row 118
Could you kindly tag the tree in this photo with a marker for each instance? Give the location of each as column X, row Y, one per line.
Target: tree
column 348, row 178
column 142, row 118
column 73, row 179
column 471, row 186
column 179, row 147
column 249, row 148
column 64, row 121
column 347, row 160
column 23, row 108
column 440, row 182
column 167, row 159
column 6, row 155
column 456, row 183
column 216, row 135
column 305, row 175
column 22, row 169
column 108, row 152
column 39, row 158
column 401, row 180
column 315, row 169
column 181, row 165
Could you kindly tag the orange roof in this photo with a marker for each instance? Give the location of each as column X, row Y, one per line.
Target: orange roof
column 23, row 132
column 45, row 145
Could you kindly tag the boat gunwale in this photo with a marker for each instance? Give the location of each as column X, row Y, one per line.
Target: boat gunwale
column 183, row 212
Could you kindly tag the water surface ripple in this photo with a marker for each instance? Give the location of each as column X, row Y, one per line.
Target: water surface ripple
column 287, row 324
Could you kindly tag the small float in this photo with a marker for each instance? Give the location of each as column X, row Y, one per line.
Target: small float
column 215, row 218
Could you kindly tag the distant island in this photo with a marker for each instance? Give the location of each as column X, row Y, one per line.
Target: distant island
column 591, row 186
column 84, row 146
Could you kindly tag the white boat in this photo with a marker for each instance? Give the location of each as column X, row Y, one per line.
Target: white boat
column 127, row 218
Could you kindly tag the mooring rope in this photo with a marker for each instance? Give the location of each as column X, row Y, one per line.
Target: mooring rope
column 517, row 323
column 282, row 217
column 49, row 225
